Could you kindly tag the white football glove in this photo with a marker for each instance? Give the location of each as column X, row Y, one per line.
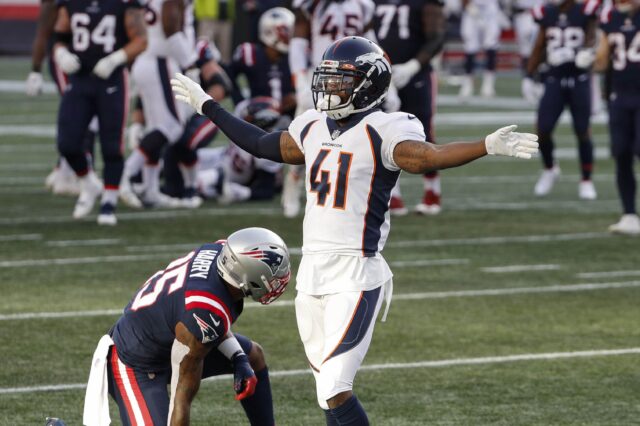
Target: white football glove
column 560, row 56
column 505, row 141
column 68, row 62
column 402, row 73
column 106, row 65
column 531, row 90
column 584, row 58
column 392, row 101
column 189, row 92
column 34, row 83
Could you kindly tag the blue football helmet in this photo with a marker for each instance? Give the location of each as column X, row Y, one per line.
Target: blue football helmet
column 353, row 76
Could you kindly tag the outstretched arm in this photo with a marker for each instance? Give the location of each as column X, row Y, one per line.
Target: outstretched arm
column 275, row 146
column 421, row 157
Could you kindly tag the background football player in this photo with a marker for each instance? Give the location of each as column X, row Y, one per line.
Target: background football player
column 62, row 179
column 230, row 174
column 566, row 38
column 265, row 65
column 343, row 278
column 318, row 24
column 619, row 53
column 177, row 330
column 180, row 158
column 480, row 30
column 94, row 42
column 412, row 32
column 171, row 48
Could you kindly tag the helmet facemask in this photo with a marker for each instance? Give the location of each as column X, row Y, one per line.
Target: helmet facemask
column 334, row 91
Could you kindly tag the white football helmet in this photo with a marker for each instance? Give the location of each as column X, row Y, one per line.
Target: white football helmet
column 256, row 261
column 276, row 28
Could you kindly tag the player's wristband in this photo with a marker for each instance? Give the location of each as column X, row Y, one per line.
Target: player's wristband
column 59, row 37
column 230, row 347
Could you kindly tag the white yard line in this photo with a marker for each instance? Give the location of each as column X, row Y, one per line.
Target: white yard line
column 397, row 297
column 525, row 239
column 145, row 215
column 21, row 237
column 543, row 238
column 427, row 262
column 549, row 356
column 520, row 268
column 83, row 243
column 80, row 260
column 609, row 274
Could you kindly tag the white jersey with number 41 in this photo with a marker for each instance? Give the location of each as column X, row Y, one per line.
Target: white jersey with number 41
column 350, row 172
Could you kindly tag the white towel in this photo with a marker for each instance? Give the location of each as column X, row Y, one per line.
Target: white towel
column 96, row 400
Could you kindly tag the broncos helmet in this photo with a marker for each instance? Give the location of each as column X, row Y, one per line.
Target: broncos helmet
column 262, row 111
column 353, row 76
column 256, row 261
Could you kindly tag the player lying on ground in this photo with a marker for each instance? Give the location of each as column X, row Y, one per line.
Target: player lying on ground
column 353, row 154
column 177, row 330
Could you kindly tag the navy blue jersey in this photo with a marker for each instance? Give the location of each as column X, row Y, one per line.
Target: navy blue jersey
column 190, row 291
column 399, row 27
column 97, row 28
column 623, row 34
column 264, row 78
column 565, row 30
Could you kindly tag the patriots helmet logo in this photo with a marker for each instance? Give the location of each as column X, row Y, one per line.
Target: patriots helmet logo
column 271, row 258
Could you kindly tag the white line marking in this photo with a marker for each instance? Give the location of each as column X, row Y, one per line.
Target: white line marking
column 520, row 268
column 18, row 86
column 25, row 166
column 145, row 215
column 607, row 274
column 81, row 243
column 543, row 238
column 407, row 296
column 549, row 356
column 296, row 250
column 21, row 237
column 80, row 260
column 426, row 262
column 38, row 131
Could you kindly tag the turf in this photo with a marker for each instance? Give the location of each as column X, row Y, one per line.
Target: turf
column 440, row 312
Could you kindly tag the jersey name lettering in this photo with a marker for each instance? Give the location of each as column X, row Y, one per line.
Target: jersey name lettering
column 202, row 263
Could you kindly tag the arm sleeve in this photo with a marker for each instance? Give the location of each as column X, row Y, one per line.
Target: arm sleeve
column 404, row 127
column 205, row 325
column 252, row 139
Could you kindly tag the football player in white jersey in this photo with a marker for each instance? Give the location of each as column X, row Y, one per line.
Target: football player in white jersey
column 353, row 153
column 171, row 49
column 480, row 30
column 318, row 24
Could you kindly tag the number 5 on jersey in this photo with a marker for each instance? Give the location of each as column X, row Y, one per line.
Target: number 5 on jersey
column 320, row 180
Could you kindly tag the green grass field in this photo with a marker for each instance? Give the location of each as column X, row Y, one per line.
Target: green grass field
column 508, row 310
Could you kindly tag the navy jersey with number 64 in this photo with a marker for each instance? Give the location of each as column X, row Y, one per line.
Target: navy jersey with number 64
column 190, row 291
column 97, row 28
